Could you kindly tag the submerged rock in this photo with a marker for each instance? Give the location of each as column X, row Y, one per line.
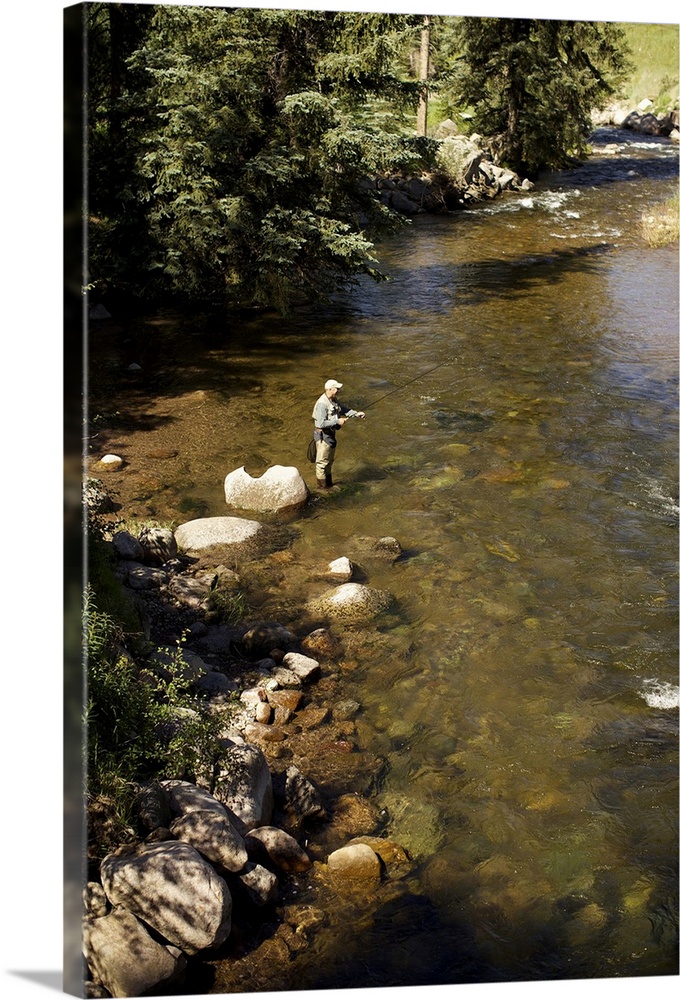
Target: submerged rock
column 320, row 643
column 262, row 638
column 351, row 603
column 416, row 825
column 387, row 547
column 354, row 863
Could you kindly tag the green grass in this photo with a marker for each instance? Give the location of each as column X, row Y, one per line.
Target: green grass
column 654, row 54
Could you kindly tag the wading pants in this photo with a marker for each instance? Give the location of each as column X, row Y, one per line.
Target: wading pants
column 324, row 459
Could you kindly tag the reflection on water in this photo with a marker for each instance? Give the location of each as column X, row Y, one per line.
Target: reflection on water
column 525, row 697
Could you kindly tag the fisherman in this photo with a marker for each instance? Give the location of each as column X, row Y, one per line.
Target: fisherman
column 329, row 415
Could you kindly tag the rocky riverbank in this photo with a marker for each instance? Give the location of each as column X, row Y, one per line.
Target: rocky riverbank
column 641, row 119
column 211, row 875
column 465, row 170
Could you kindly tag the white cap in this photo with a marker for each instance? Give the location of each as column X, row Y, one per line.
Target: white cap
column 332, row 384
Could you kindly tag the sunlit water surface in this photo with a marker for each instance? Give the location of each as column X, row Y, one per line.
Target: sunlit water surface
column 524, row 694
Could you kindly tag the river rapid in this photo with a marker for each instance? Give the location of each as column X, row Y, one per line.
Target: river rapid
column 524, row 691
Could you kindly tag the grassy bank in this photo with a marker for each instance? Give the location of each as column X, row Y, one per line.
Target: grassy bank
column 654, row 54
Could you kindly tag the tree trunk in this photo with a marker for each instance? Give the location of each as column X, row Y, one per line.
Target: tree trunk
column 423, row 73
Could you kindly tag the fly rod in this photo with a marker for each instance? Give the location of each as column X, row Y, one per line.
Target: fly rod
column 410, row 382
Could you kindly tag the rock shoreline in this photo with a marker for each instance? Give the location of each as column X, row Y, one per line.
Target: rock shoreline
column 215, row 860
column 641, row 119
column 466, row 172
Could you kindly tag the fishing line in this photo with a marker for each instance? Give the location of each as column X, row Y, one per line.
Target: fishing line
column 410, row 382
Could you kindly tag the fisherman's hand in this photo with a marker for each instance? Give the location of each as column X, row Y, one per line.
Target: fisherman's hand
column 361, row 414
column 342, row 420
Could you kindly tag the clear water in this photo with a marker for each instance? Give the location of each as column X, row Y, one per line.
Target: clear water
column 525, row 694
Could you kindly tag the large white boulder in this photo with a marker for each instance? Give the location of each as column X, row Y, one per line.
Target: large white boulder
column 459, row 157
column 278, row 488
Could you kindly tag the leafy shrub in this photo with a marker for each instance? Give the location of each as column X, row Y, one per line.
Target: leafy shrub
column 141, row 718
column 140, row 723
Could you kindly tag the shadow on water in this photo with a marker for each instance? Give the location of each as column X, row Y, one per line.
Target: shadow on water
column 474, row 283
column 511, row 279
column 154, row 361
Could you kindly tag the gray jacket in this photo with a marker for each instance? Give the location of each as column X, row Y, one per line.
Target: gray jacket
column 325, row 417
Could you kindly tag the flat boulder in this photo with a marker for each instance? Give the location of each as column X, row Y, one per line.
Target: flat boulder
column 146, row 577
column 232, row 533
column 189, row 591
column 279, row 488
column 170, row 887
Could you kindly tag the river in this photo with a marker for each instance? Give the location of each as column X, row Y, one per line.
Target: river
column 525, row 694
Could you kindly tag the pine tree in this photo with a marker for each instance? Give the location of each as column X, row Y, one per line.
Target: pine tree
column 244, row 137
column 531, row 85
